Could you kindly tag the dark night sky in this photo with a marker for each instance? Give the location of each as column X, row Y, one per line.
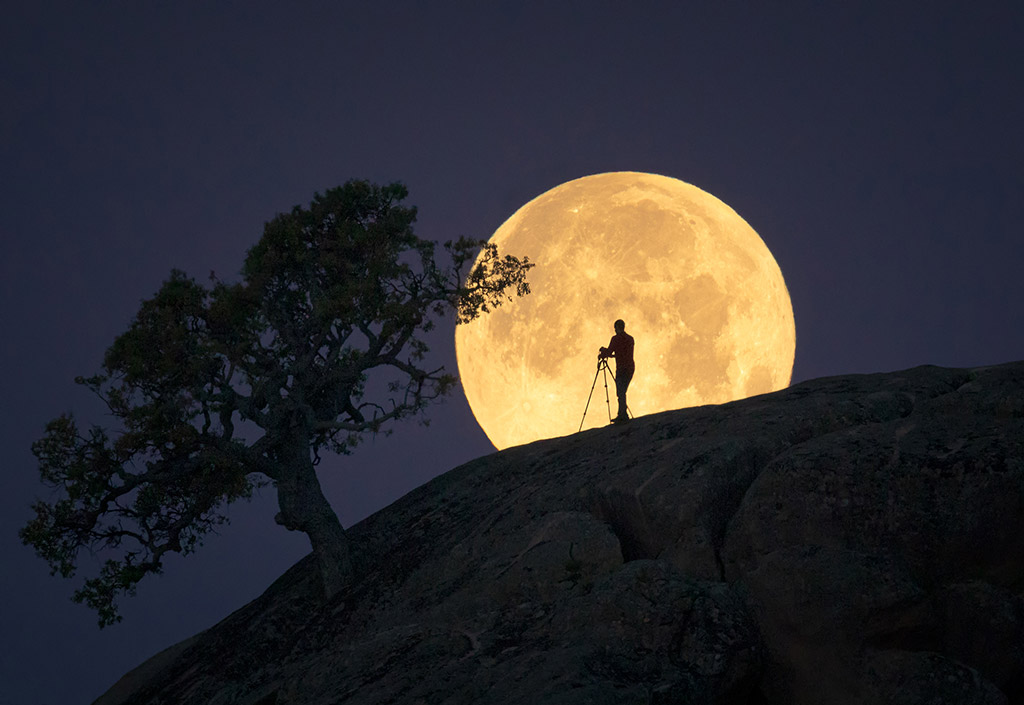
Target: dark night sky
column 877, row 151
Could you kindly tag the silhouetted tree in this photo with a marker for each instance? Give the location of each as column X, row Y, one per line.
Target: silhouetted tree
column 216, row 389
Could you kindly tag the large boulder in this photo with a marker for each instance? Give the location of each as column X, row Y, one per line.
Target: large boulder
column 855, row 539
column 875, row 525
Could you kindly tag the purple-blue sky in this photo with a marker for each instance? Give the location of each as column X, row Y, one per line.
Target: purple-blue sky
column 877, row 150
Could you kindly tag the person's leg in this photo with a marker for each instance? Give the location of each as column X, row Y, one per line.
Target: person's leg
column 620, row 392
column 621, row 385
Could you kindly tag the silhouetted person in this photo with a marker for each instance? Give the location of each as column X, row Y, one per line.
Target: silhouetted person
column 621, row 348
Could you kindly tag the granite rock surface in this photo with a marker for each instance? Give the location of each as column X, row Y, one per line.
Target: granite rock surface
column 855, row 539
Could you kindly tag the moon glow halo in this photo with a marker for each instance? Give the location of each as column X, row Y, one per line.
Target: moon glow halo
column 696, row 286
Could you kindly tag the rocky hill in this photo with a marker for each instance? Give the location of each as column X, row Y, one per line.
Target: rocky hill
column 855, row 539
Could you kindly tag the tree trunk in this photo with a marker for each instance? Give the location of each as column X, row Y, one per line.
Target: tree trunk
column 304, row 508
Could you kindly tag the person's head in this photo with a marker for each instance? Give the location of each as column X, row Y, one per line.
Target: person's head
column 620, row 326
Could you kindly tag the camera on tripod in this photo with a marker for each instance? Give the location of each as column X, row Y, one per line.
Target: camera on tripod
column 602, row 368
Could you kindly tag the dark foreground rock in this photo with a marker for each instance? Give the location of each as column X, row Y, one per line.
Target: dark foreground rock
column 855, row 539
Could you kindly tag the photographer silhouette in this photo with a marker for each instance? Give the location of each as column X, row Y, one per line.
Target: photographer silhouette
column 620, row 348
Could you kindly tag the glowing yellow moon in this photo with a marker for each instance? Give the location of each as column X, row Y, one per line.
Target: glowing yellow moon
column 697, row 288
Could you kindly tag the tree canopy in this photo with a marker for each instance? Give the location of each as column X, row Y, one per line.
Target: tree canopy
column 217, row 389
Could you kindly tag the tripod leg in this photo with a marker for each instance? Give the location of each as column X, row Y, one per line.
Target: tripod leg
column 589, row 396
column 607, row 400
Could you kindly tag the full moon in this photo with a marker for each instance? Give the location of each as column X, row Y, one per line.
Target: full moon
column 697, row 288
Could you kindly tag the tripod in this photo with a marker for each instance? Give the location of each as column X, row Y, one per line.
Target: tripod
column 602, row 368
